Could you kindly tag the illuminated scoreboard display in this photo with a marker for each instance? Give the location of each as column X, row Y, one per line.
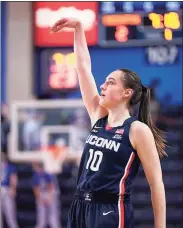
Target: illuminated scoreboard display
column 140, row 23
column 58, row 71
column 107, row 25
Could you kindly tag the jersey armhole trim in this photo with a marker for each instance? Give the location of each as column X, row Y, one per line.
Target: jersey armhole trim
column 134, row 150
column 97, row 121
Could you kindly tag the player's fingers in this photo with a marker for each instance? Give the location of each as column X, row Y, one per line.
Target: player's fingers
column 55, row 29
column 58, row 28
column 54, row 26
column 57, row 25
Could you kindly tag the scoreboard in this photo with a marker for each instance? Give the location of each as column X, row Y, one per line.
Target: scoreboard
column 57, row 71
column 139, row 23
column 154, row 26
column 110, row 24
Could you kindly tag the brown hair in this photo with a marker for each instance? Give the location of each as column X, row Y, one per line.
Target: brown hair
column 142, row 95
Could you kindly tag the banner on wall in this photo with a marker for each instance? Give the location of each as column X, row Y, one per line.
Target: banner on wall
column 47, row 13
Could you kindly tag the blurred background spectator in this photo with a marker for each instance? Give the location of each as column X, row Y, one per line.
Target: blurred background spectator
column 39, row 89
column 8, row 191
column 46, row 192
column 31, row 130
column 5, row 127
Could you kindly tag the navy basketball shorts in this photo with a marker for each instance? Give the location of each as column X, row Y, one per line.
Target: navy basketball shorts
column 91, row 210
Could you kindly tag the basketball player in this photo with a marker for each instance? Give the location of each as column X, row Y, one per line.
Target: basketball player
column 45, row 190
column 115, row 147
column 8, row 191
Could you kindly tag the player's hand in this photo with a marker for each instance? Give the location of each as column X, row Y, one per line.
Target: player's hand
column 12, row 192
column 64, row 23
column 41, row 201
column 48, row 201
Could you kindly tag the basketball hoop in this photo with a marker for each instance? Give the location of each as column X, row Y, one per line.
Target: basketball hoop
column 53, row 158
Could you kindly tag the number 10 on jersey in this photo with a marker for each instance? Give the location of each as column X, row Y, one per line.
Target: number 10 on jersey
column 94, row 160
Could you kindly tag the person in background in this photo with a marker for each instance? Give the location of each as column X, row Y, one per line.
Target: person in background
column 46, row 193
column 5, row 127
column 31, row 130
column 80, row 129
column 8, row 191
column 154, row 107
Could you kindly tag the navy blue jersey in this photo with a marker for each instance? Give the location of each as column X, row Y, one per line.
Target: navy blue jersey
column 7, row 170
column 109, row 163
column 42, row 179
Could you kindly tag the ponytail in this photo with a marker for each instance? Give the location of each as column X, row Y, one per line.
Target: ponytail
column 145, row 117
column 142, row 95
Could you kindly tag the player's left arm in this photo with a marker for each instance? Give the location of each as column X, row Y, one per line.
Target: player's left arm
column 143, row 142
column 50, row 186
column 13, row 181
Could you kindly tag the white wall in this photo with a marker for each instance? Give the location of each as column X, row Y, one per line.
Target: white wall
column 19, row 51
